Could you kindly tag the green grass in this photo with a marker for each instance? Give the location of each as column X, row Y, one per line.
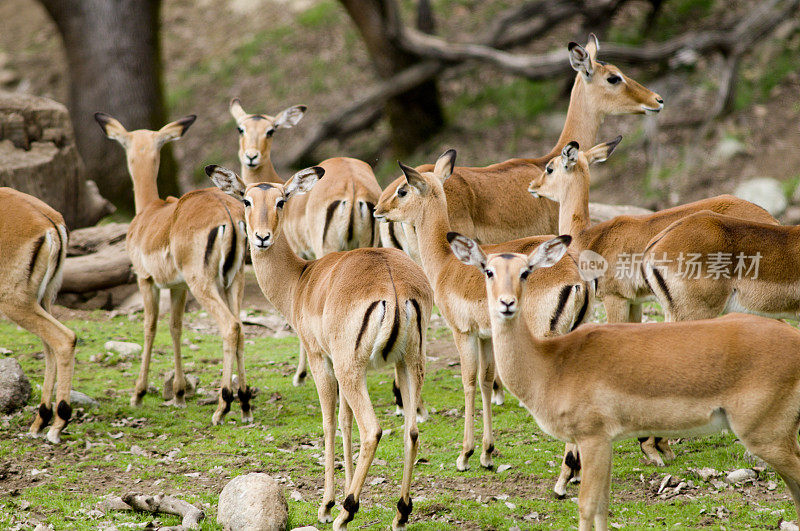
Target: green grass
column 285, row 441
column 320, row 14
column 511, row 100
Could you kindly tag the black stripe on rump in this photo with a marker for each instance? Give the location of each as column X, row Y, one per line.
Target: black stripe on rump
column 365, row 322
column 212, row 237
column 328, row 216
column 582, row 312
column 562, row 301
column 36, row 248
column 387, row 348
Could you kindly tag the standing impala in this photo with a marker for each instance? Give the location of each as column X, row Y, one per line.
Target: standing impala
column 197, row 243
column 335, row 216
column 620, row 241
column 556, row 303
column 603, row 383
column 34, row 244
column 707, row 264
column 490, row 203
column 352, row 310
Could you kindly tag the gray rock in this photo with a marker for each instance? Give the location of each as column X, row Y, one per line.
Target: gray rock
column 707, row 473
column 15, row 389
column 253, row 502
column 765, row 192
column 728, row 148
column 192, row 383
column 124, row 348
column 81, row 399
column 741, row 475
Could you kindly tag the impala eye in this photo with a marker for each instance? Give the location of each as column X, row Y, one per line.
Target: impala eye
column 246, row 203
column 280, row 203
column 401, row 192
column 549, row 168
column 270, row 133
column 524, row 274
column 614, row 79
column 489, row 273
column 240, row 129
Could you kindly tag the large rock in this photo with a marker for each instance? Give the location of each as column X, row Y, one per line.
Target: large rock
column 765, row 192
column 38, row 156
column 253, row 502
column 15, row 389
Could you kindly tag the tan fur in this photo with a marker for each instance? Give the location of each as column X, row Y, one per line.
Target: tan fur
column 461, row 296
column 168, row 242
column 344, row 307
column 774, row 292
column 491, row 205
column 34, row 247
column 604, row 383
column 618, row 239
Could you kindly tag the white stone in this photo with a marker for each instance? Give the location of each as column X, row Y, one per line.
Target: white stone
column 253, row 502
column 125, row 348
column 764, row 192
column 741, row 475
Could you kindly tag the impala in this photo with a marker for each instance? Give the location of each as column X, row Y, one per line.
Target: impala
column 620, row 241
column 603, row 383
column 34, row 243
column 194, row 243
column 335, row 216
column 490, row 203
column 708, row 263
column 557, row 302
column 352, row 310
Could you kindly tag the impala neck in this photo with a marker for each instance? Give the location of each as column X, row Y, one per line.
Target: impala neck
column 278, row 271
column 521, row 360
column 264, row 173
column 573, row 212
column 583, row 120
column 434, row 250
column 144, row 174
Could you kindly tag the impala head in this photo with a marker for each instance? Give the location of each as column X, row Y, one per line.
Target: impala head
column 415, row 190
column 263, row 202
column 570, row 169
column 607, row 88
column 506, row 273
column 256, row 131
column 142, row 147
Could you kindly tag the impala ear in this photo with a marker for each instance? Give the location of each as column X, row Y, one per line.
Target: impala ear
column 593, row 46
column 226, row 180
column 569, row 155
column 302, row 181
column 176, row 129
column 549, row 253
column 601, row 152
column 236, row 109
column 112, row 128
column 467, row 250
column 445, row 164
column 580, row 60
column 289, row 117
column 414, row 178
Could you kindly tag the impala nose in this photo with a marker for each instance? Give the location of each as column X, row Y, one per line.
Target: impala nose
column 508, row 306
column 252, row 160
column 262, row 242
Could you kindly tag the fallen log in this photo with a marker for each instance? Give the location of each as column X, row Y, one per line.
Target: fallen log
column 160, row 503
column 107, row 268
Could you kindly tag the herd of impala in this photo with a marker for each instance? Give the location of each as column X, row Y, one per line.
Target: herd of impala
column 356, row 271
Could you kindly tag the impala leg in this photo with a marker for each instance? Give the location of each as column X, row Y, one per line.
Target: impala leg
column 346, row 427
column 649, row 446
column 327, row 389
column 617, row 309
column 302, row 371
column 486, row 368
column 177, row 298
column 230, row 328
column 570, row 467
column 60, row 342
column 234, row 295
column 635, row 312
column 410, row 385
column 149, row 293
column 468, row 350
column 781, row 452
column 354, row 388
column 595, row 491
column 498, row 391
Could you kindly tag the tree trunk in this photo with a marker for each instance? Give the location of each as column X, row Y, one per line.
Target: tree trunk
column 415, row 115
column 113, row 53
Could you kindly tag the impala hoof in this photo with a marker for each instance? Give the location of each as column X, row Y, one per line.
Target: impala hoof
column 247, row 418
column 462, row 463
column 324, row 513
column 486, row 461
column 175, row 402
column 299, row 379
column 136, row 398
column 498, row 397
column 54, row 436
column 216, row 419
